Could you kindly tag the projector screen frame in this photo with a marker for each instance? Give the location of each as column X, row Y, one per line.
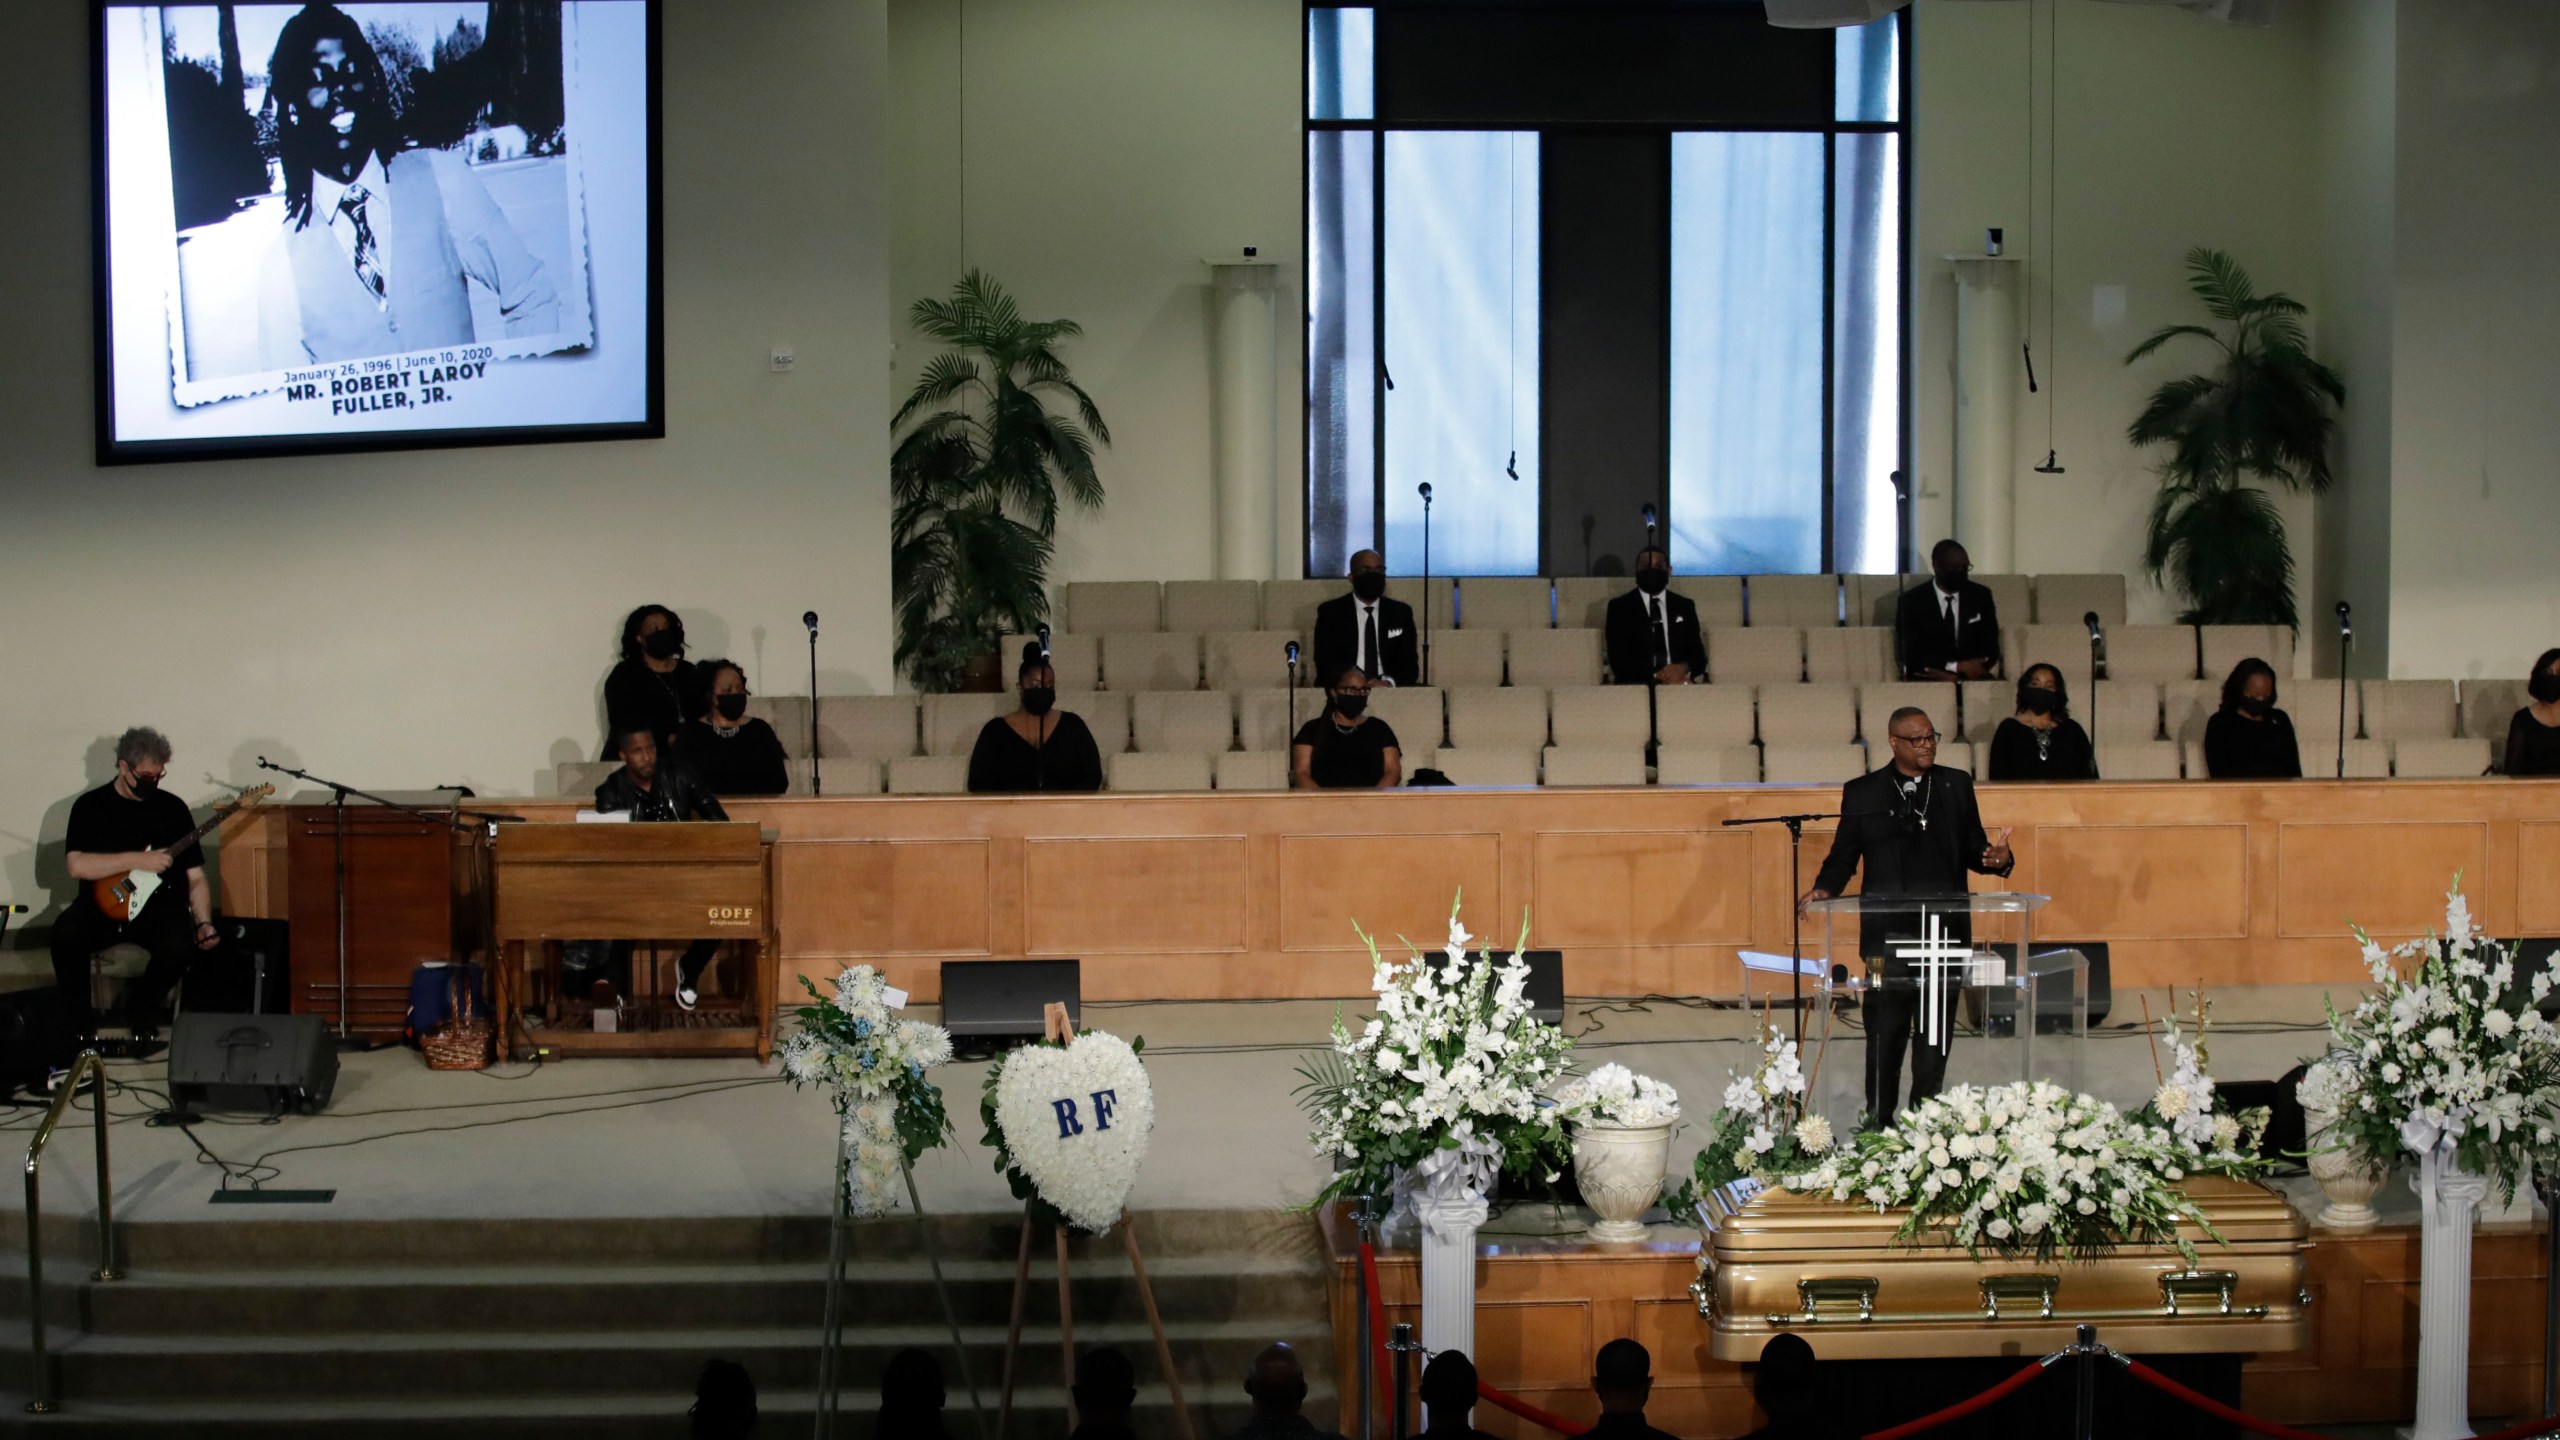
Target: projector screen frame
column 114, row 451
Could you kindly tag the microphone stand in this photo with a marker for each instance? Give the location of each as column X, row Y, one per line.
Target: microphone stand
column 1292, row 739
column 2097, row 649
column 1903, row 558
column 817, row 782
column 1426, row 590
column 2346, row 644
column 1795, row 872
column 338, row 864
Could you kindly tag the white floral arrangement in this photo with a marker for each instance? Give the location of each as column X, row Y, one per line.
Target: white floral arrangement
column 873, row 1065
column 2185, row 1102
column 1615, row 1095
column 2444, row 1056
column 1070, row 1123
column 1764, row 1130
column 1446, row 1079
column 2025, row 1169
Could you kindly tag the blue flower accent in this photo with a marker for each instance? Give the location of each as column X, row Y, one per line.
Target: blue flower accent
column 914, row 1070
column 861, row 1029
column 869, row 1060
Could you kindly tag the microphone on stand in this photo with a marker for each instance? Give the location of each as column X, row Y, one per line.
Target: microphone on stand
column 810, row 619
column 2346, row 643
column 2097, row 653
column 1044, row 643
column 1649, row 514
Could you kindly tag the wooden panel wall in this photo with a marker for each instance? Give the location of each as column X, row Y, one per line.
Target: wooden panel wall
column 1208, row 895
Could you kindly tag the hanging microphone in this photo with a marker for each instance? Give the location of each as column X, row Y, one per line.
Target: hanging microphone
column 1511, row 467
column 2346, row 628
column 2091, row 620
column 1425, row 489
column 2029, row 351
column 810, row 619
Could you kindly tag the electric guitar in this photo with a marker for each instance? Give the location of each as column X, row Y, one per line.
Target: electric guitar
column 123, row 896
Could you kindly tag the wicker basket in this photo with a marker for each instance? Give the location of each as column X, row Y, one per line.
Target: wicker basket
column 463, row 1042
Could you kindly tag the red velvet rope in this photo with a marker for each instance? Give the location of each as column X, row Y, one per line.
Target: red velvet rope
column 1962, row 1408
column 2247, row 1421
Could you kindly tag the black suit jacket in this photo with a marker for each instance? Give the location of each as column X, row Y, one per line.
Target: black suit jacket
column 1920, row 628
column 1338, row 640
column 676, row 784
column 1879, row 830
column 1630, row 637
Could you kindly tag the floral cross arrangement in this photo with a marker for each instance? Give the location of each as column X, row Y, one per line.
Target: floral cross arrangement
column 2447, row 1055
column 1445, row 1080
column 1615, row 1095
column 1765, row 1129
column 874, row 1065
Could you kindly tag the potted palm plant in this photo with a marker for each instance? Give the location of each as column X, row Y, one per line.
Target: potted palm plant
column 2262, row 414
column 977, row 480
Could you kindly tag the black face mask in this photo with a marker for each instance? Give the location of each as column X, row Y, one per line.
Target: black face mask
column 2544, row 687
column 1349, row 707
column 2256, row 708
column 662, row 644
column 1950, row 581
column 144, row 786
column 729, row 706
column 1368, row 585
column 1038, row 698
column 1653, row 582
column 2038, row 701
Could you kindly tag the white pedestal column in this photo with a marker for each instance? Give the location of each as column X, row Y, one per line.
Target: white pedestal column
column 2448, row 1202
column 1989, row 374
column 1449, row 1268
column 1245, row 297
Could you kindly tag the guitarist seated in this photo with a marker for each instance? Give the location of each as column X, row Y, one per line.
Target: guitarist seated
column 129, row 826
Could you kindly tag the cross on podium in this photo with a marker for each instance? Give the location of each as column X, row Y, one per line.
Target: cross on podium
column 1938, row 958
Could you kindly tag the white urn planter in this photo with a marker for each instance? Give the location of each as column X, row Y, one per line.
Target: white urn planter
column 1619, row 1168
column 2348, row 1183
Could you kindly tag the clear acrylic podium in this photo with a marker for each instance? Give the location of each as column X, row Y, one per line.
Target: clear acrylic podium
column 2011, row 1011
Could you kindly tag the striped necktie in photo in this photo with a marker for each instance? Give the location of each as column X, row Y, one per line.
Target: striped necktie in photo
column 368, row 263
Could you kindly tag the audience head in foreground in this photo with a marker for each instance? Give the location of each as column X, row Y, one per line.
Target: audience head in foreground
column 1106, row 1387
column 724, row 1402
column 1278, row 1386
column 1622, row 1376
column 1449, row 1394
column 911, row 1397
column 1788, row 1386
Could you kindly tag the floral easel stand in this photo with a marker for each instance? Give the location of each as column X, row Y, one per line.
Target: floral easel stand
column 830, row 1373
column 1062, row 1031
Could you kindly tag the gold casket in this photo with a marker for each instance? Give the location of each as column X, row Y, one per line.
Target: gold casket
column 1828, row 1270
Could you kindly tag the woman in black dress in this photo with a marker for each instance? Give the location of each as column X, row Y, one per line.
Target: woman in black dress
column 1038, row 746
column 2041, row 741
column 1346, row 747
column 732, row 752
column 654, row 685
column 2249, row 738
column 2533, row 737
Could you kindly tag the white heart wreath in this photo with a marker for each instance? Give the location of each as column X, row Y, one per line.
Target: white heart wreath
column 1074, row 1120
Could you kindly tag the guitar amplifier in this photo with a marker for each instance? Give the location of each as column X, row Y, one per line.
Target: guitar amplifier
column 263, row 1064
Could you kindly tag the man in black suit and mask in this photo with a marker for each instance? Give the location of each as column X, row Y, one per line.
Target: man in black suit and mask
column 1652, row 633
column 1367, row 629
column 1948, row 629
column 1917, row 829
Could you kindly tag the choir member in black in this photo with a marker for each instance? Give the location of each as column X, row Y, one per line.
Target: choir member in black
column 734, row 754
column 2533, row 737
column 128, row 825
column 654, row 685
column 1346, row 747
column 658, row 788
column 1653, row 634
column 1917, row 830
column 1948, row 629
column 1038, row 746
column 2042, row 741
column 2249, row 738
column 1367, row 629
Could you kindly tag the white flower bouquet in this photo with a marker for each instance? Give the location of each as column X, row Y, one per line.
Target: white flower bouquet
column 1763, row 1131
column 2025, row 1169
column 2185, row 1103
column 1615, row 1095
column 873, row 1064
column 1451, row 1069
column 2445, row 1055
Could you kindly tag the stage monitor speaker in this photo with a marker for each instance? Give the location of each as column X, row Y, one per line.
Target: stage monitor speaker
column 2285, row 1141
column 1545, row 991
column 2053, row 1011
column 249, row 972
column 1001, row 999
column 36, row 1039
column 265, row 1064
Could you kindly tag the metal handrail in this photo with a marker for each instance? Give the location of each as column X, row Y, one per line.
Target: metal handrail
column 39, row 1370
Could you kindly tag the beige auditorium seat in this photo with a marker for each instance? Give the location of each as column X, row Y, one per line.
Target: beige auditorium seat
column 1199, row 722
column 2366, row 760
column 1415, row 759
column 1263, row 717
column 1601, row 717
column 1814, row 715
column 2408, row 709
column 2064, row 599
column 1759, row 655
column 1549, row 658
column 1582, row 601
column 1961, row 755
column 1718, row 597
column 2139, row 759
column 1418, row 714
column 1564, row 767
column 1169, row 771
column 1210, row 607
column 1726, row 765
column 1485, row 767
column 1876, row 599
column 1291, row 604
column 1876, row 704
column 1849, row 655
column 952, row 722
column 2064, row 647
column 1797, row 764
column 1706, row 717
column 1166, row 661
column 929, row 775
column 864, row 727
column 1806, row 602
column 2448, row 758
column 2014, row 597
column 2224, row 646
column 1252, row 770
column 1443, row 594
column 2124, row 710
column 2489, row 707
column 789, row 717
column 1511, row 719
column 2313, row 704
column 1986, row 703
column 2184, row 710
column 1502, row 602
column 578, row 779
column 1465, row 659
column 843, row 777
column 1114, row 607
column 1253, row 659
column 2151, row 652
column 1077, row 659
column 1106, row 714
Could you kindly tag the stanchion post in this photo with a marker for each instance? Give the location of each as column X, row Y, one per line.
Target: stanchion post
column 2550, row 1293
column 2085, row 1362
column 1367, row 1364
column 1400, row 1340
